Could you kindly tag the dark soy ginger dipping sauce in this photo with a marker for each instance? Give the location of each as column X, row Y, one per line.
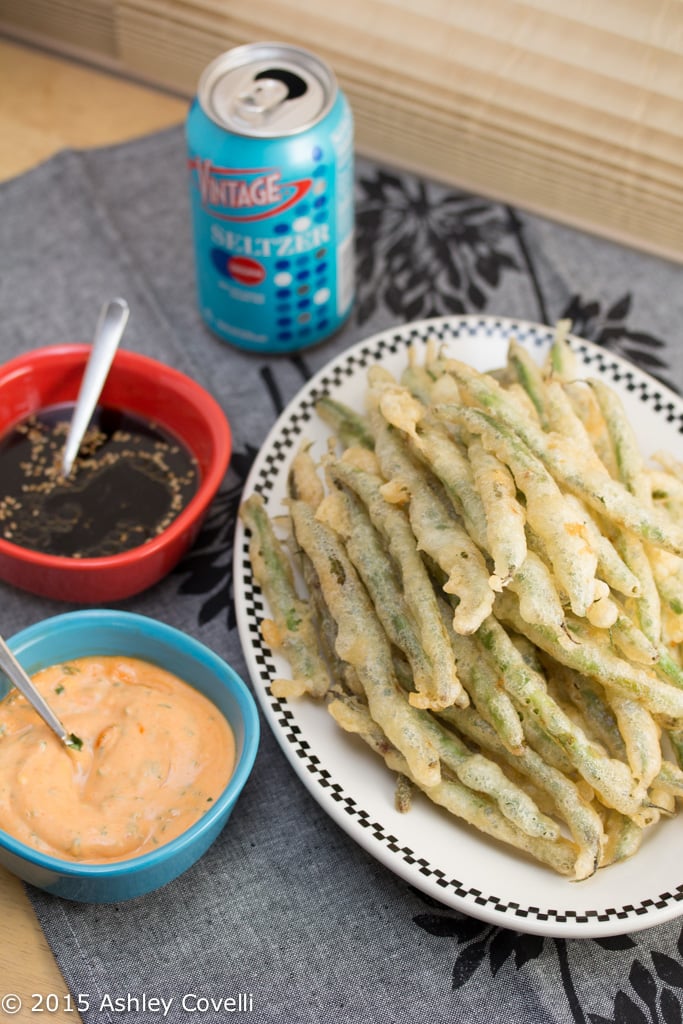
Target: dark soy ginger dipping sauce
column 129, row 482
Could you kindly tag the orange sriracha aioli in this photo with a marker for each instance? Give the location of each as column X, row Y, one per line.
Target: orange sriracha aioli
column 156, row 754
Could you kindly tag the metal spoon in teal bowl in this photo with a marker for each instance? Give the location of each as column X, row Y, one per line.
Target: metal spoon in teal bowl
column 16, row 675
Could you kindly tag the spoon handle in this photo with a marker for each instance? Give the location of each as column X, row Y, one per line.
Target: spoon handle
column 110, row 327
column 15, row 673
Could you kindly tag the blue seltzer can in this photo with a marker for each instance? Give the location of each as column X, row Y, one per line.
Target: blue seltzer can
column 270, row 152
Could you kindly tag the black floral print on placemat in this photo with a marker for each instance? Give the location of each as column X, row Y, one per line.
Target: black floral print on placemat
column 608, row 325
column 423, row 251
column 647, row 994
column 207, row 568
column 650, row 996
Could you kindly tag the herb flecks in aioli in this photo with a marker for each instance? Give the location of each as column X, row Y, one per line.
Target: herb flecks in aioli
column 138, row 779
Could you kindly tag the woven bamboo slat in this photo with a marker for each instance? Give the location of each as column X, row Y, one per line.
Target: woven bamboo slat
column 574, row 111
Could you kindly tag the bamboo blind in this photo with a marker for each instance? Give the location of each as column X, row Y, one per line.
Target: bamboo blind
column 574, row 110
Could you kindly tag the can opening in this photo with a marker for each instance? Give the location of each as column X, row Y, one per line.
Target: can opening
column 248, row 90
column 295, row 84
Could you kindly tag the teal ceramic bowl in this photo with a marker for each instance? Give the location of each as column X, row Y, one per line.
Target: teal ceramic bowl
column 104, row 632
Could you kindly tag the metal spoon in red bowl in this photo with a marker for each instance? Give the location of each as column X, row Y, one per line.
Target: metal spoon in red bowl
column 110, row 326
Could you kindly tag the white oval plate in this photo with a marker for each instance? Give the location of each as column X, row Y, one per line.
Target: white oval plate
column 427, row 847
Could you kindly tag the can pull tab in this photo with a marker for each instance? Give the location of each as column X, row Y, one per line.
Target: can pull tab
column 263, row 97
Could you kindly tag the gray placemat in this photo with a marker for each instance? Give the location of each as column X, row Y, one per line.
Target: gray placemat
column 285, row 915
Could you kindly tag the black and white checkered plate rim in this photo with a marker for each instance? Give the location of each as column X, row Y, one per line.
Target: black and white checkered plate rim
column 280, row 445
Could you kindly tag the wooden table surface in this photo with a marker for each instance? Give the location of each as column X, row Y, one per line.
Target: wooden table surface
column 48, row 103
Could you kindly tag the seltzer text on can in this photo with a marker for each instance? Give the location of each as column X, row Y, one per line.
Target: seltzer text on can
column 270, row 153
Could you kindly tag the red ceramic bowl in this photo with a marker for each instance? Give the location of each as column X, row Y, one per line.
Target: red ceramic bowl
column 141, row 386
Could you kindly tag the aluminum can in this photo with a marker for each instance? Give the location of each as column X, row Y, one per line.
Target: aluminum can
column 270, row 155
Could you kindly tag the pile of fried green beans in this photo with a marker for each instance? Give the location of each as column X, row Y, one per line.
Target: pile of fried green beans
column 483, row 579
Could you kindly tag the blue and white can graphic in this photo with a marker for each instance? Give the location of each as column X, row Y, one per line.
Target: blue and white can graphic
column 270, row 156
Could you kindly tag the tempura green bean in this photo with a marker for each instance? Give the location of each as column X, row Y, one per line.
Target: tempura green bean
column 608, row 496
column 547, row 513
column 437, row 532
column 609, row 777
column 505, row 516
column 362, row 643
column 293, row 631
column 445, row 688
